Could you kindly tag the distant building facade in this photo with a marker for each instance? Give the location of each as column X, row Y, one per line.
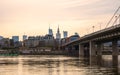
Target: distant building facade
column 1, row 37
column 16, row 41
column 65, row 34
column 39, row 41
column 24, row 37
column 69, row 39
column 15, row 38
column 58, row 35
column 10, row 43
column 5, row 43
column 74, row 37
column 50, row 32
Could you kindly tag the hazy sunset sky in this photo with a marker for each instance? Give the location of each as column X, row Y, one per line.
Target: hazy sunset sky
column 33, row 17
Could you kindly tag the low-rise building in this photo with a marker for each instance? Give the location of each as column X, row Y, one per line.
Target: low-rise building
column 69, row 39
column 39, row 41
column 5, row 43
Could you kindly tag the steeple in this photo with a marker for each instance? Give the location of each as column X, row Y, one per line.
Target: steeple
column 58, row 35
column 49, row 26
column 58, row 31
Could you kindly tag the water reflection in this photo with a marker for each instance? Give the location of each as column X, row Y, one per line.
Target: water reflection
column 55, row 65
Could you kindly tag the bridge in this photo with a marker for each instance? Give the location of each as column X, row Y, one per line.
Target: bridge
column 92, row 45
column 106, row 35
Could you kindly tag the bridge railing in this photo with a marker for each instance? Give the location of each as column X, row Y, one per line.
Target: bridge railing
column 101, row 31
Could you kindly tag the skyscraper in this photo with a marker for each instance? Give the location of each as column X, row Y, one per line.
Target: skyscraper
column 65, row 34
column 50, row 32
column 15, row 38
column 58, row 35
column 24, row 37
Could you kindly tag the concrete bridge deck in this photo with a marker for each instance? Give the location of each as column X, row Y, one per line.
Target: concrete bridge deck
column 105, row 34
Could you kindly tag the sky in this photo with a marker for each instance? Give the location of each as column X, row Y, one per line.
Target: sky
column 33, row 17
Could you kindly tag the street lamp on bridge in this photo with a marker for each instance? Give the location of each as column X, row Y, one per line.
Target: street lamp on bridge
column 93, row 28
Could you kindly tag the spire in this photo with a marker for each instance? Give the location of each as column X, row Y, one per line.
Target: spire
column 58, row 35
column 49, row 26
column 49, row 29
column 58, row 29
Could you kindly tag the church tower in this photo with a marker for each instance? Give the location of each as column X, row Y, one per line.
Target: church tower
column 58, row 35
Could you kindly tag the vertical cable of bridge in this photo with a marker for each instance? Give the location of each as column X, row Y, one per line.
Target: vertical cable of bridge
column 112, row 17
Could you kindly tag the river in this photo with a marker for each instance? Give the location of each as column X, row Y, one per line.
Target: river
column 54, row 65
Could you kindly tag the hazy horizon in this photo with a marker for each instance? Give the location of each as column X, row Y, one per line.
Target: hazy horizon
column 32, row 17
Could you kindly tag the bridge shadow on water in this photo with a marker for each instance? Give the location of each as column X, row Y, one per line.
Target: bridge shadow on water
column 103, row 66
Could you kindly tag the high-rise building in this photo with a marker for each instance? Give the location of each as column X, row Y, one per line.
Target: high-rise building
column 58, row 35
column 1, row 37
column 24, row 37
column 50, row 32
column 65, row 34
column 15, row 38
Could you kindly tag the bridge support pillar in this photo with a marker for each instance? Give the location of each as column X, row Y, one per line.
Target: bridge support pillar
column 115, row 53
column 92, row 48
column 92, row 51
column 99, row 53
column 81, row 50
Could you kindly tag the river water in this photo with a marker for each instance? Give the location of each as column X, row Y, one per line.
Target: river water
column 54, row 65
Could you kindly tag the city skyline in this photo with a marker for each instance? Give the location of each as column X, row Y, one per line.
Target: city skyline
column 33, row 17
column 50, row 32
